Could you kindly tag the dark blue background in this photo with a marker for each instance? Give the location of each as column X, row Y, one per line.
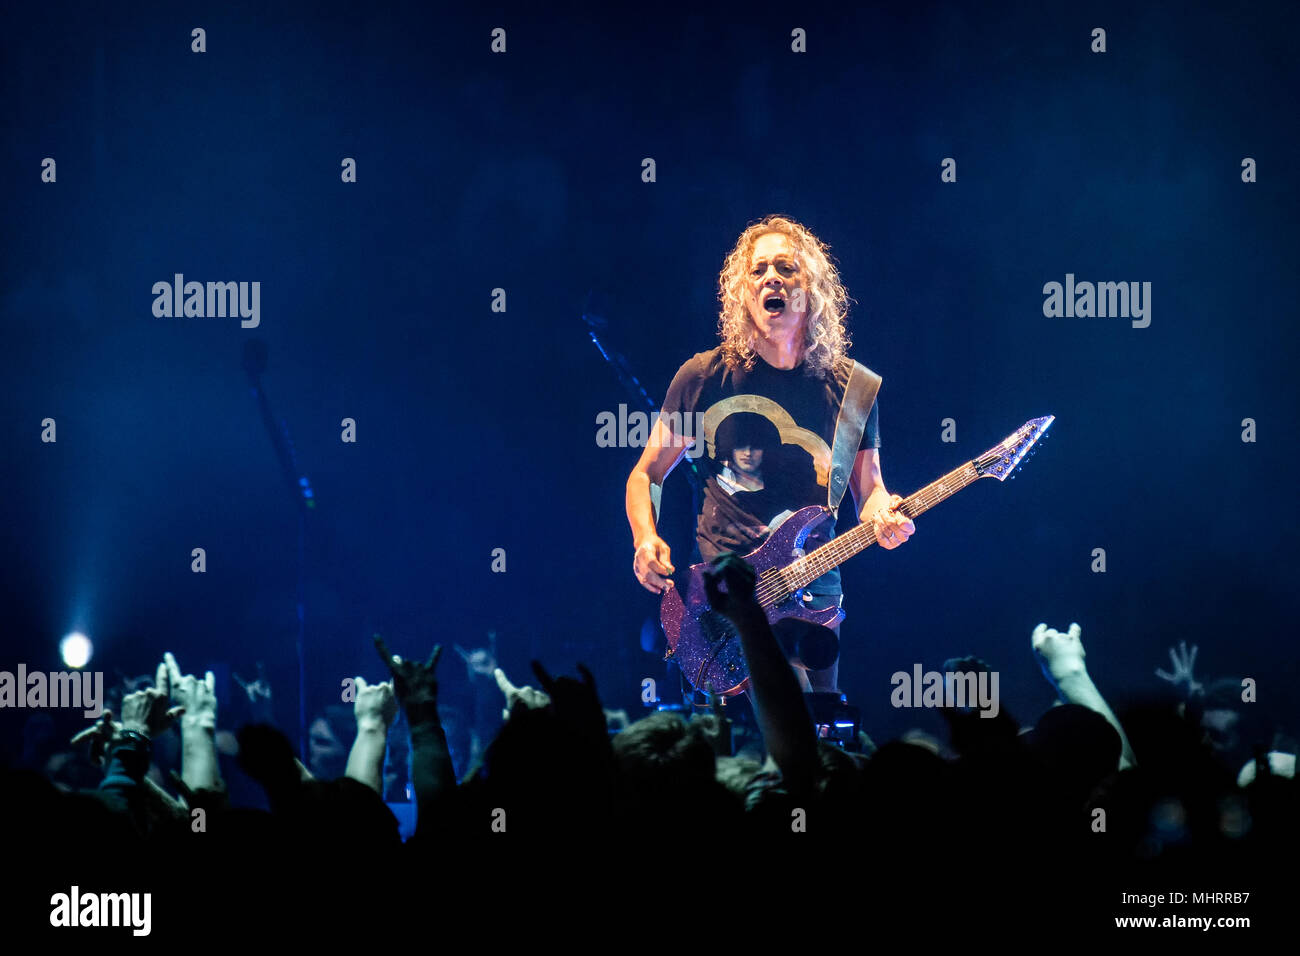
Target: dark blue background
column 477, row 429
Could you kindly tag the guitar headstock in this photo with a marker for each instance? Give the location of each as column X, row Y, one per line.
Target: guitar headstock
column 1004, row 458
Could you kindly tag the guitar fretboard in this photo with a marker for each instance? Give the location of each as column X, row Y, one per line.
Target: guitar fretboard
column 835, row 552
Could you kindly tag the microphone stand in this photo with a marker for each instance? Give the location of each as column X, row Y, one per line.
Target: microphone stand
column 255, row 360
column 694, row 475
column 623, row 369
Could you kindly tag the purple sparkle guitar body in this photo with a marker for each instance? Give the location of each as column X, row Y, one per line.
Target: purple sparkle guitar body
column 705, row 644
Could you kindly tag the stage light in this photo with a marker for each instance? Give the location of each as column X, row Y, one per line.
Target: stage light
column 75, row 650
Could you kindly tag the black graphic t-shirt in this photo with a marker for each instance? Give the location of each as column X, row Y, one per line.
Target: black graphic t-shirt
column 776, row 425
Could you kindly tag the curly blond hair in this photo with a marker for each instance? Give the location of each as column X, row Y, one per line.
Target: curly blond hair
column 826, row 338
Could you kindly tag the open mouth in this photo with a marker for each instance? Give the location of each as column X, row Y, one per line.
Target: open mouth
column 774, row 304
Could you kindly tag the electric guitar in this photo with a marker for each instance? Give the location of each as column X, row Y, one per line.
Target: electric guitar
column 705, row 645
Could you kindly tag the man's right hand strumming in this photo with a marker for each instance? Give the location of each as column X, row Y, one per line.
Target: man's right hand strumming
column 652, row 563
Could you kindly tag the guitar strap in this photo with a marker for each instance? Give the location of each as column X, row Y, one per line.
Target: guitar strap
column 859, row 396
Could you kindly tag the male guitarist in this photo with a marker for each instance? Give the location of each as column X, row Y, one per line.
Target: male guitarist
column 782, row 359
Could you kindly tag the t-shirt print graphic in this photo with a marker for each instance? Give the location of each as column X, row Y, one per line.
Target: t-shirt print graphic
column 751, row 440
column 767, row 436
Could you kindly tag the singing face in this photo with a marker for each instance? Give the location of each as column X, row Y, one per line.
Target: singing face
column 777, row 298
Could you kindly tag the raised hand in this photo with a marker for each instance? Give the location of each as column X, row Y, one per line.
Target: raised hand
column 100, row 734
column 375, row 707
column 574, row 702
column 530, row 697
column 481, row 661
column 413, row 683
column 1060, row 655
column 258, row 692
column 561, row 690
column 1182, row 676
column 197, row 698
column 416, row 688
column 375, row 704
column 145, row 711
column 737, row 601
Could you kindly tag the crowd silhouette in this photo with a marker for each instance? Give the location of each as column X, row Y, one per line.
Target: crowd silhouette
column 999, row 818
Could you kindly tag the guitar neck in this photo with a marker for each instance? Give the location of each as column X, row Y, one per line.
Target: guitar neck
column 813, row 565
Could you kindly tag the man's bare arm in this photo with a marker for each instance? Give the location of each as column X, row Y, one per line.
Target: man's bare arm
column 875, row 503
column 867, row 484
column 662, row 453
column 778, row 701
column 1061, row 657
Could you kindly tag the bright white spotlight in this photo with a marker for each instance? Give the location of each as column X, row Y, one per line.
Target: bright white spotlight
column 76, row 649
